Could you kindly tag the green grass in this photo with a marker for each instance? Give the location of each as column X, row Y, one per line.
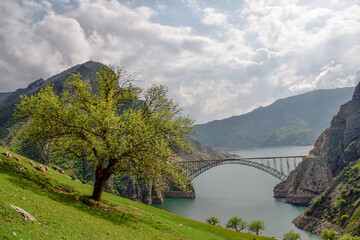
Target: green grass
column 63, row 210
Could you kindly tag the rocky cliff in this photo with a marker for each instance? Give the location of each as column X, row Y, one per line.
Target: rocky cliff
column 337, row 207
column 329, row 178
column 336, row 147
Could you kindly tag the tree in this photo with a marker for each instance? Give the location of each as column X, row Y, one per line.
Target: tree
column 291, row 235
column 212, row 221
column 236, row 223
column 256, row 226
column 329, row 234
column 120, row 128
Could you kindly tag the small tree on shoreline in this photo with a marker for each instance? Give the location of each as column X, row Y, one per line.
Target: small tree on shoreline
column 101, row 128
column 291, row 235
column 213, row 221
column 236, row 223
column 257, row 225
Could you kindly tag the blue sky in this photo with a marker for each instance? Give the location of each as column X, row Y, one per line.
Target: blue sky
column 218, row 58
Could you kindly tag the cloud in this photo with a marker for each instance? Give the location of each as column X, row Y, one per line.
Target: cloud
column 212, row 17
column 224, row 61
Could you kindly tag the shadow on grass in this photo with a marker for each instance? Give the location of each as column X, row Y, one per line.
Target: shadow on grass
column 65, row 194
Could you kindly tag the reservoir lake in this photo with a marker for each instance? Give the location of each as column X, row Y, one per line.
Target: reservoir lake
column 236, row 190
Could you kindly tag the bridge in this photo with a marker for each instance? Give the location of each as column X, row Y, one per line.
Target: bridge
column 279, row 167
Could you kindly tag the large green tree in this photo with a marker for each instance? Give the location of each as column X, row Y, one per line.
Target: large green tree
column 120, row 128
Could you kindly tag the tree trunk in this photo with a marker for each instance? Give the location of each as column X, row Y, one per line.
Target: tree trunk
column 101, row 176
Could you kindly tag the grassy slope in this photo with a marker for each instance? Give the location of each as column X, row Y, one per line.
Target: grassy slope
column 57, row 203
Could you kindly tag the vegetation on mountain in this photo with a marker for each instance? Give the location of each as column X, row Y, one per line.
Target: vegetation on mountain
column 296, row 120
column 63, row 210
column 97, row 128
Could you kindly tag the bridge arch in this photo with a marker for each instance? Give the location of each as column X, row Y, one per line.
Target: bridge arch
column 271, row 165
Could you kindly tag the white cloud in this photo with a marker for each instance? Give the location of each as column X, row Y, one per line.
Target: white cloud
column 212, row 17
column 263, row 51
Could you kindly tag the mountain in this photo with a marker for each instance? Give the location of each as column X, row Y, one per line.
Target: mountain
column 4, row 95
column 296, row 120
column 7, row 105
column 329, row 178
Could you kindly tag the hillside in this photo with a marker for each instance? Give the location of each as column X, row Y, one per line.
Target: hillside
column 296, row 120
column 201, row 151
column 63, row 211
column 329, row 177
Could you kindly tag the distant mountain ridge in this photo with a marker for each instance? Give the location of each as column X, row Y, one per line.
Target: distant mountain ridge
column 7, row 104
column 296, row 120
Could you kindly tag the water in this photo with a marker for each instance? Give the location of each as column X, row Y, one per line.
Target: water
column 235, row 190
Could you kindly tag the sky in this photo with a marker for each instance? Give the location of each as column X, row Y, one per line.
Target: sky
column 218, row 58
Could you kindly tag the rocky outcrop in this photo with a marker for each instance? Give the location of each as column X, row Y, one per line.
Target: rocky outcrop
column 314, row 225
column 309, row 179
column 337, row 207
column 336, row 147
column 24, row 214
column 179, row 194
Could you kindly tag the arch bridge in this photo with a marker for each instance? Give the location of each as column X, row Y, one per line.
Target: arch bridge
column 279, row 167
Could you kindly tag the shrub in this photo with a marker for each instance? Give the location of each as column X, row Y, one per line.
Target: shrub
column 340, row 203
column 318, row 200
column 352, row 172
column 356, row 191
column 343, row 218
column 329, row 234
column 307, row 212
column 342, row 192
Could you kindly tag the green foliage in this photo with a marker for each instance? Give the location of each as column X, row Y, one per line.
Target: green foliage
column 340, row 203
column 291, row 235
column 212, row 221
column 236, row 223
column 318, row 200
column 102, row 129
column 342, row 192
column 356, row 191
column 307, row 211
column 257, row 225
column 348, row 237
column 343, row 218
column 329, row 234
column 352, row 172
